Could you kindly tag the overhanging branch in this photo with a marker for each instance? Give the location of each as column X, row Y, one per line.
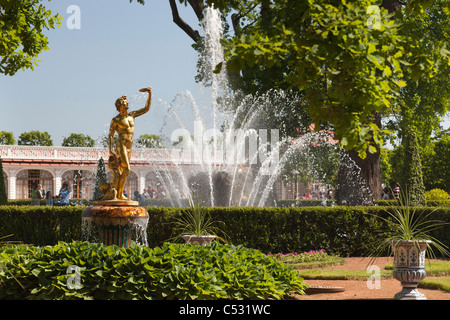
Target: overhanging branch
column 194, row 34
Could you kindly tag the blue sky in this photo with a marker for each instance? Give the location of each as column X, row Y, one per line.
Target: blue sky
column 120, row 48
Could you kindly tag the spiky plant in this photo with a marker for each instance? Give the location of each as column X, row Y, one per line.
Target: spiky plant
column 196, row 221
column 406, row 222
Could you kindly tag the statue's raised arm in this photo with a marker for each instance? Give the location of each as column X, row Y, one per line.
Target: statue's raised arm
column 144, row 110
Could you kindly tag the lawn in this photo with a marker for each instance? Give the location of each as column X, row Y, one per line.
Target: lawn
column 314, row 267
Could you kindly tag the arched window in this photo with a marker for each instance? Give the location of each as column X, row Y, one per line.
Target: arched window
column 81, row 182
column 164, row 183
column 27, row 178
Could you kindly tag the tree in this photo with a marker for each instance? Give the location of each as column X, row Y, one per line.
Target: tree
column 412, row 178
column 3, row 196
column 436, row 164
column 7, row 138
column 22, row 25
column 347, row 58
column 151, row 141
column 386, row 166
column 350, row 62
column 78, row 140
column 100, row 179
column 35, row 138
column 425, row 101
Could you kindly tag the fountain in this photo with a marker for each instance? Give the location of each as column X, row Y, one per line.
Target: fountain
column 118, row 218
column 232, row 158
column 236, row 160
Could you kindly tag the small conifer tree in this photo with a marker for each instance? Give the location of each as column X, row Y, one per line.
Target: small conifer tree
column 412, row 177
column 100, row 179
column 3, row 196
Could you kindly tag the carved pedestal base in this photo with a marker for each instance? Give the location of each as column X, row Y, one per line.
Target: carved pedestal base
column 117, row 224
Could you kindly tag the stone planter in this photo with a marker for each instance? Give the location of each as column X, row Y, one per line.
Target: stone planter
column 409, row 267
column 200, row 240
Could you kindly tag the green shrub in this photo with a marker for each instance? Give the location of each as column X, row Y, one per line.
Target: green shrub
column 41, row 225
column 428, row 203
column 344, row 231
column 437, row 194
column 172, row 271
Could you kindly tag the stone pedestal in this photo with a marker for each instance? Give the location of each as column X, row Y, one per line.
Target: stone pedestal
column 116, row 224
column 199, row 240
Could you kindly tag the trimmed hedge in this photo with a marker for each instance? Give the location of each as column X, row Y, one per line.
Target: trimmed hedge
column 428, row 203
column 346, row 231
column 40, row 225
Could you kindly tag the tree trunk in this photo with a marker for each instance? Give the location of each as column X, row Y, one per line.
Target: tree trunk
column 366, row 187
column 370, row 166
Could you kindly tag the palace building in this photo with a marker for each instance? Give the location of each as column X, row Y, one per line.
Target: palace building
column 24, row 166
column 51, row 166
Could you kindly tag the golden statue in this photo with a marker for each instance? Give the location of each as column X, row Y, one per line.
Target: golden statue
column 120, row 148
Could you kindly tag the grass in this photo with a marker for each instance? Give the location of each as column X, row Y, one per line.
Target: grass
column 311, row 259
column 437, row 283
column 439, row 268
column 332, row 261
column 438, row 273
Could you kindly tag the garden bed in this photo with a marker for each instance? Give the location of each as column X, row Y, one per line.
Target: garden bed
column 356, row 288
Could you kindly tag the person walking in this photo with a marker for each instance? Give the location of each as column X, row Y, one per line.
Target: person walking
column 397, row 191
column 49, row 199
column 36, row 195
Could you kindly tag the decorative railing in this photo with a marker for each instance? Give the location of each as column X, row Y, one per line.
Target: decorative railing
column 77, row 154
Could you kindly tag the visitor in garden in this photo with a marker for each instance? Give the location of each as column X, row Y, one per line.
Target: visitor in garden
column 397, row 191
column 49, row 199
column 64, row 195
column 36, row 194
column 176, row 193
column 151, row 192
column 139, row 197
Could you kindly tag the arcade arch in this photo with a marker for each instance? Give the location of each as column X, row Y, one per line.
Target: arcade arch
column 25, row 179
column 81, row 182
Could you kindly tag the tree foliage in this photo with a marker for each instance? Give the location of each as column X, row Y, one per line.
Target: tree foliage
column 35, row 138
column 437, row 164
column 351, row 61
column 412, row 177
column 22, row 26
column 100, row 179
column 424, row 102
column 348, row 57
column 78, row 140
column 7, row 138
column 151, row 141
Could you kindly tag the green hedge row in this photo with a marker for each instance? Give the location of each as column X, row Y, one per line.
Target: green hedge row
column 428, row 203
column 279, row 203
column 347, row 231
